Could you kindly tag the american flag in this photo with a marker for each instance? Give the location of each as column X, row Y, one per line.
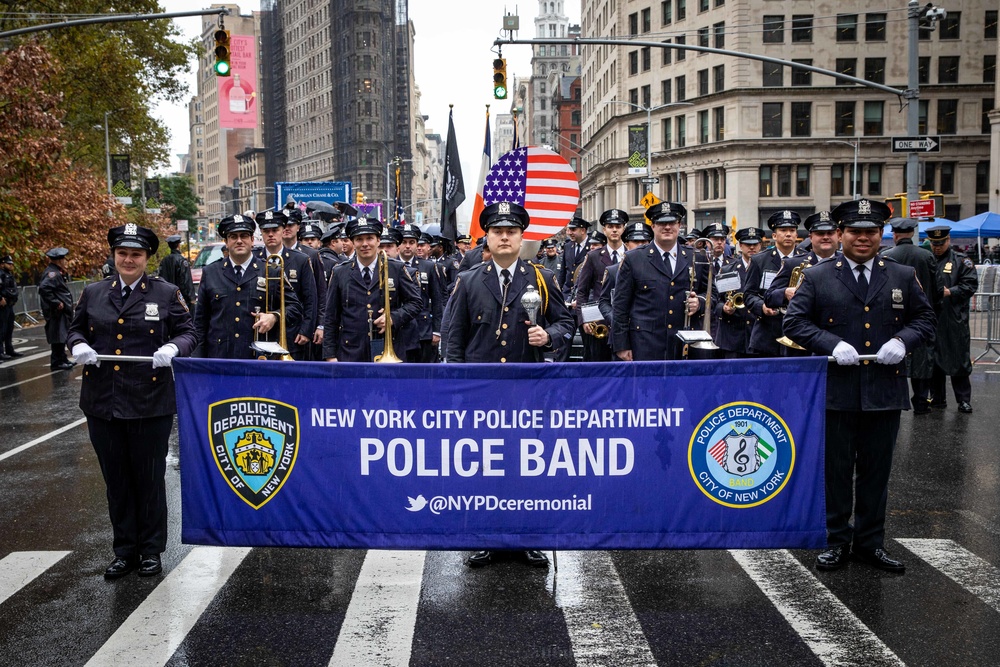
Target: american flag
column 539, row 180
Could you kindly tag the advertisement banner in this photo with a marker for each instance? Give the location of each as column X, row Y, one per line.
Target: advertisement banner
column 238, row 91
column 646, row 455
column 306, row 191
column 638, row 139
column 121, row 178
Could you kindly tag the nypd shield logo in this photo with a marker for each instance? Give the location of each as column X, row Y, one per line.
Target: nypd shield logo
column 255, row 442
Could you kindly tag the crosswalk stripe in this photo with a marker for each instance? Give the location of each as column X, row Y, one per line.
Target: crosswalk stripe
column 47, row 436
column 824, row 623
column 602, row 625
column 151, row 634
column 20, row 568
column 961, row 566
column 380, row 620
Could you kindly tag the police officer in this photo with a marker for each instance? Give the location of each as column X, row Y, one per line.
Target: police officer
column 462, row 244
column 432, row 296
column 310, row 236
column 763, row 268
column 57, row 307
column 130, row 405
column 574, row 251
column 860, row 304
column 312, row 348
column 635, row 235
column 735, row 324
column 551, row 259
column 957, row 282
column 8, row 297
column 176, row 269
column 653, row 289
column 489, row 324
column 355, row 301
column 298, row 274
column 239, row 297
column 718, row 253
column 920, row 359
column 589, row 281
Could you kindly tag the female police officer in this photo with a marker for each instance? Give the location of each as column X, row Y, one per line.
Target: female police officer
column 130, row 406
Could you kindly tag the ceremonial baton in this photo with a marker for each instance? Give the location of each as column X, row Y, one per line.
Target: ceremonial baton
column 122, row 357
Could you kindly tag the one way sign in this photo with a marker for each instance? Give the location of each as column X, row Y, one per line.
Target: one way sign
column 916, row 144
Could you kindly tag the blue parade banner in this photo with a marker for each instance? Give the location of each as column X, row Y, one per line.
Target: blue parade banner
column 645, row 455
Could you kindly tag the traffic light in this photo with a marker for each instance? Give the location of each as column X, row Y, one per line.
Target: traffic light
column 500, row 78
column 222, row 53
column 359, row 197
column 897, row 205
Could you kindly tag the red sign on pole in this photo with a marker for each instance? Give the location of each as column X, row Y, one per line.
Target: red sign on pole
column 922, row 208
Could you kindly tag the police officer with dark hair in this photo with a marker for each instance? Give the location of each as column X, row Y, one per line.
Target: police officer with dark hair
column 860, row 304
column 488, row 323
column 763, row 269
column 735, row 324
column 310, row 338
column 8, row 297
column 355, row 303
column 653, row 291
column 57, row 307
column 176, row 269
column 920, row 360
column 574, row 251
column 635, row 235
column 130, row 405
column 239, row 297
column 551, row 259
column 432, row 295
column 330, row 253
column 957, row 281
column 589, row 280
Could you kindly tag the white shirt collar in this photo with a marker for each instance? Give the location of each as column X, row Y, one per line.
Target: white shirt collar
column 137, row 280
column 245, row 265
column 854, row 265
column 370, row 267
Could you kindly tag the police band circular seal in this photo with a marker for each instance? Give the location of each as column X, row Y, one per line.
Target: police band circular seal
column 741, row 454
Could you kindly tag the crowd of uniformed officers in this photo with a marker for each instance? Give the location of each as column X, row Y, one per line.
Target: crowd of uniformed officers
column 355, row 290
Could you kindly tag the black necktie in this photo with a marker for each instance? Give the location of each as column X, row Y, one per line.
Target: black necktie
column 614, row 256
column 125, row 292
column 368, row 276
column 239, row 273
column 505, row 274
column 862, row 280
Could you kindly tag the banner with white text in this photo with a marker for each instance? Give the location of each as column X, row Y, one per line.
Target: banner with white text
column 645, row 455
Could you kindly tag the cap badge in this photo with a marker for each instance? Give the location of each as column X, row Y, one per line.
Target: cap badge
column 786, row 214
column 503, row 208
column 237, row 218
column 824, row 216
column 614, row 215
column 752, row 233
column 865, row 207
column 131, row 229
column 268, row 215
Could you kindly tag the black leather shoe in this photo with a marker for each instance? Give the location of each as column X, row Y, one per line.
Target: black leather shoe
column 924, row 409
column 832, row 559
column 965, row 407
column 64, row 366
column 15, row 355
column 5, row 357
column 149, row 565
column 536, row 558
column 479, row 559
column 119, row 568
column 880, row 559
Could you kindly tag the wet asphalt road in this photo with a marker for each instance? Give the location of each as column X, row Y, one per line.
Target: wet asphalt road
column 315, row 607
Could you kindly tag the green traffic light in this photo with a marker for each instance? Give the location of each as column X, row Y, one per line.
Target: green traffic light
column 500, row 92
column 222, row 68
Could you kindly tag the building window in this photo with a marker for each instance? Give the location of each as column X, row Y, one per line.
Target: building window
column 703, row 37
column 703, row 82
column 947, row 178
column 646, row 20
column 719, row 75
column 681, row 88
column 681, row 131
column 874, row 179
column 766, row 181
column 703, row 126
column 633, row 96
column 990, row 68
column 681, row 53
column 923, row 112
column 873, row 119
column 802, row 180
column 646, row 58
column 667, row 53
column 924, row 70
column 717, row 184
column 987, row 108
column 681, row 10
column 784, row 180
column 990, row 24
column 947, row 118
column 801, row 119
column 668, row 127
column 875, row 70
column 719, row 30
column 844, row 126
column 665, row 91
column 848, row 66
column 929, row 175
column 702, row 5
column 950, row 27
column 774, row 29
column 720, row 123
column 541, row 103
column 633, row 24
column 847, row 27
column 633, row 63
column 802, row 77
column 771, row 127
column 875, row 27
column 982, row 178
column 667, row 12
column 948, row 69
column 706, row 183
column 773, row 75
column 802, row 29
column 837, row 180
column 647, row 100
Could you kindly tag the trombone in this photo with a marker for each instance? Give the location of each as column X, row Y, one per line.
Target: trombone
column 265, row 348
column 388, row 355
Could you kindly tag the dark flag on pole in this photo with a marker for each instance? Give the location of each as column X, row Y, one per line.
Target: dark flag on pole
column 453, row 192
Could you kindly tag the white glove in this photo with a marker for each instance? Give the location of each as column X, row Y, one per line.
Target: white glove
column 891, row 353
column 85, row 354
column 845, row 354
column 165, row 355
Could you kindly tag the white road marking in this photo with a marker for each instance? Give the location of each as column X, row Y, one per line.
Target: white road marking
column 24, row 360
column 826, row 625
column 47, row 436
column 151, row 634
column 20, row 568
column 378, row 628
column 961, row 566
column 602, row 625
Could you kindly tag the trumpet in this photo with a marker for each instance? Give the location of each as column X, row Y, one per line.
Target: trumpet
column 278, row 262
column 388, row 355
column 735, row 300
column 599, row 329
column 794, row 280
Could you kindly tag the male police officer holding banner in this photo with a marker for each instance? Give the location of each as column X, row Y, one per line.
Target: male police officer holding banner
column 488, row 323
column 860, row 304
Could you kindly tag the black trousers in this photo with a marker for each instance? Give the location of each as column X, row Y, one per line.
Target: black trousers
column 595, row 349
column 960, row 384
column 7, row 329
column 58, row 355
column 859, row 447
column 133, row 458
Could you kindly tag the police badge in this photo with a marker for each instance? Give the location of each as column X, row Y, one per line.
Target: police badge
column 153, row 312
column 897, row 298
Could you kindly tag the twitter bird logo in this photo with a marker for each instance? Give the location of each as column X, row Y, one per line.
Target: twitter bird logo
column 416, row 504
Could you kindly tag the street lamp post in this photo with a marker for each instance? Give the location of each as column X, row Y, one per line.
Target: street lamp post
column 854, row 171
column 649, row 133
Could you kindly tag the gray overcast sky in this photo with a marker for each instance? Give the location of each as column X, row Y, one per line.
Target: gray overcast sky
column 452, row 63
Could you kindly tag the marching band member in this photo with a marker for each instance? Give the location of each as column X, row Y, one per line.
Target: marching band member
column 763, row 268
column 735, row 324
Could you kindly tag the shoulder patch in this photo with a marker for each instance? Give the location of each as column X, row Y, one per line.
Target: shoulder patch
column 183, row 302
column 968, row 263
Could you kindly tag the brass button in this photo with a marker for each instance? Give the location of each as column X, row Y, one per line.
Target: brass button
column 86, row 373
column 118, row 351
column 868, row 343
column 237, row 335
column 867, row 325
column 237, row 303
column 119, row 336
column 867, row 309
column 154, row 379
column 479, row 317
column 503, row 360
column 120, row 321
column 671, row 283
column 506, row 309
column 504, row 326
column 150, row 331
column 670, row 312
column 831, row 320
column 237, row 319
column 239, row 289
column 503, row 343
column 117, row 368
column 670, row 326
column 671, row 298
column 867, row 362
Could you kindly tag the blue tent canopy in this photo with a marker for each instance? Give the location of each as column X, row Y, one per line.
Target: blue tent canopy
column 985, row 224
column 958, row 230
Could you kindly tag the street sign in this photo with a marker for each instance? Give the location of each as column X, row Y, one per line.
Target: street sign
column 649, row 200
column 916, row 144
column 922, row 208
column 649, row 181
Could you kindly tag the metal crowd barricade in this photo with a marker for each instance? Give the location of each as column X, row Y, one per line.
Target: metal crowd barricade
column 28, row 308
column 984, row 323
